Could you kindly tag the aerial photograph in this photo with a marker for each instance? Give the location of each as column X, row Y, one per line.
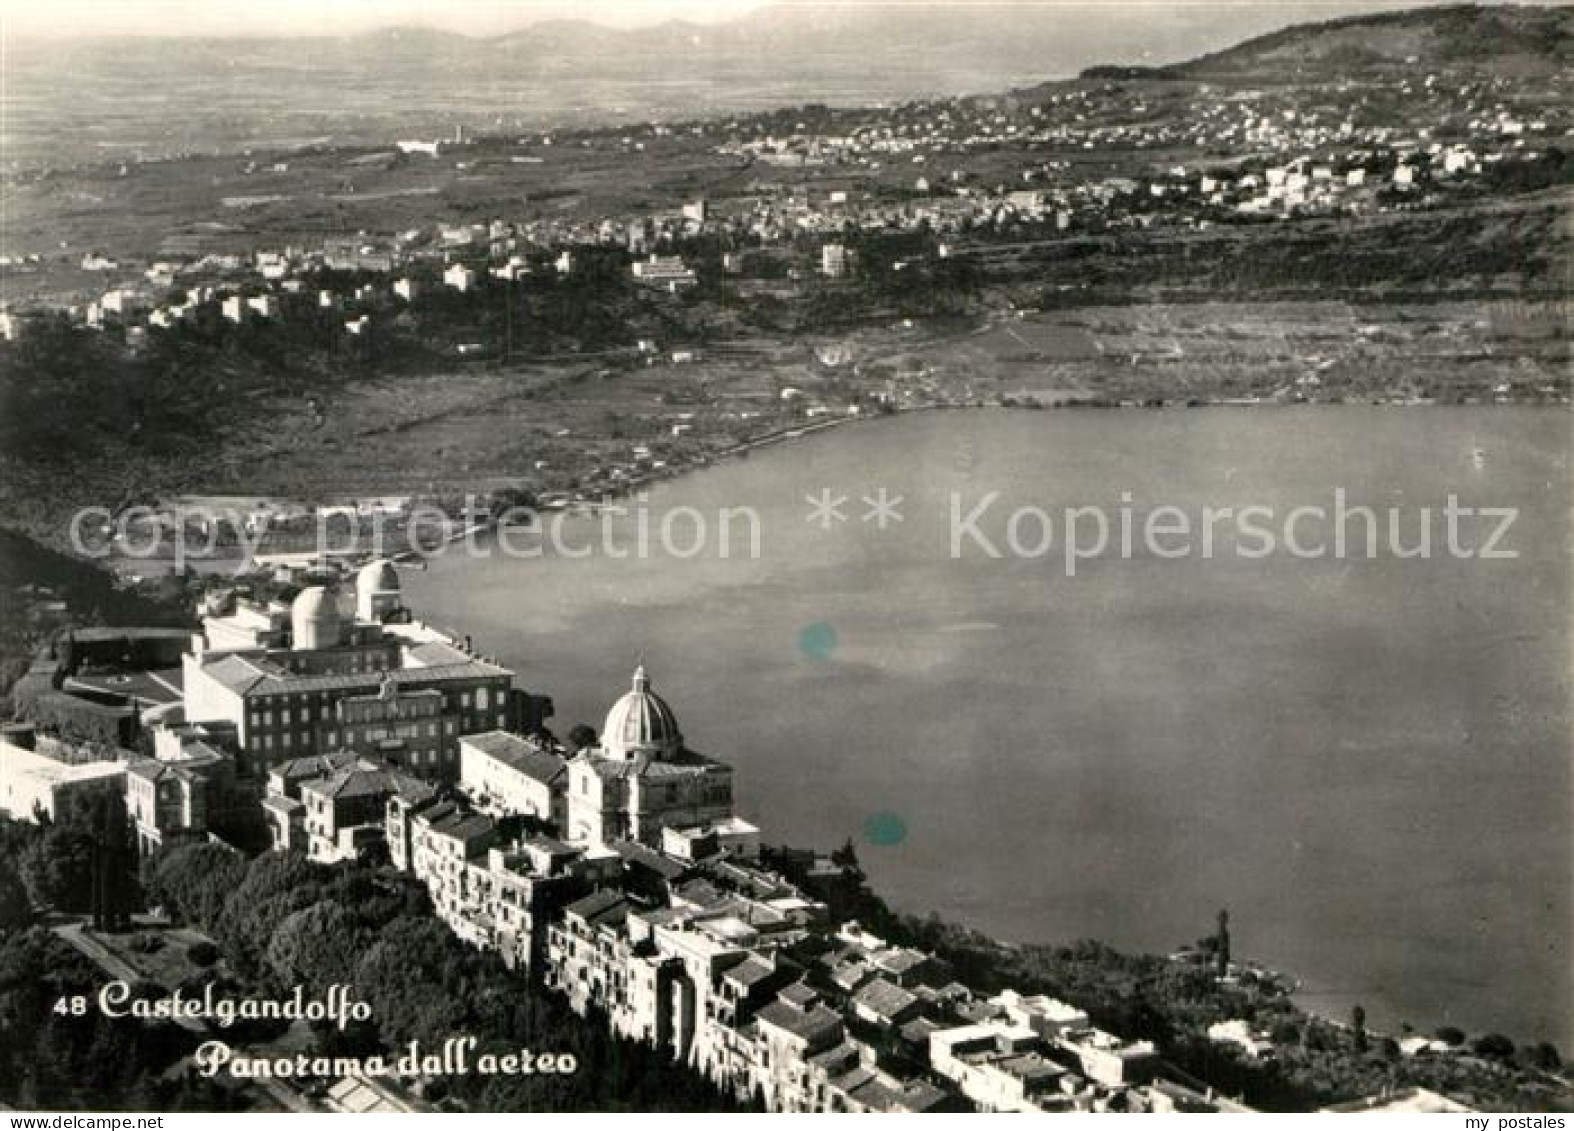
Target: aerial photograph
column 803, row 556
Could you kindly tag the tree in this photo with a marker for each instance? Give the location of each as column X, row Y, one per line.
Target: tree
column 316, row 947
column 1358, row 1027
column 114, row 881
column 193, row 881
column 276, row 885
column 413, row 977
column 1286, row 1032
column 1494, row 1046
column 1543, row 1055
column 1221, row 953
column 16, row 907
column 57, row 868
column 582, row 736
column 56, row 1061
column 1314, row 1036
column 1450, row 1036
column 846, row 857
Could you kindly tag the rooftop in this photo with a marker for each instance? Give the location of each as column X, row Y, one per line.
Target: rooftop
column 753, row 970
column 897, row 1095
column 635, row 853
column 461, row 826
column 884, row 999
column 366, row 781
column 551, row 846
column 436, row 653
column 20, row 762
column 1030, row 1066
column 810, row 1025
column 148, row 688
column 288, row 806
column 518, row 753
column 600, row 908
column 314, row 765
column 151, row 769
column 799, row 995
column 257, row 675
column 899, row 960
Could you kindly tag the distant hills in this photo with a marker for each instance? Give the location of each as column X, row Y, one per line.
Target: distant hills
column 94, row 99
column 1510, row 40
column 930, row 47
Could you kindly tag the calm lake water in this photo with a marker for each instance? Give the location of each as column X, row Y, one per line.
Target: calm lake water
column 1367, row 761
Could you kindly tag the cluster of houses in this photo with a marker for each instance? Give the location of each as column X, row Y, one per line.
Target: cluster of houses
column 1256, row 152
column 1133, row 115
column 619, row 875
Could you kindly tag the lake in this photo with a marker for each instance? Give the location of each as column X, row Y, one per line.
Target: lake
column 1367, row 761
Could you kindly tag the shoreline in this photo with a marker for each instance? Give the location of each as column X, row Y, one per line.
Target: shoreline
column 778, row 437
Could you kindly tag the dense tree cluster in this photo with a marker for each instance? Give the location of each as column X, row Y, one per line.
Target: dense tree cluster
column 55, row 858
column 51, row 1059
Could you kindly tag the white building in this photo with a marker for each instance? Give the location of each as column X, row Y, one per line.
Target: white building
column 1000, row 1067
column 1108, row 1059
column 668, row 272
column 122, row 303
column 31, row 784
column 1253, row 1042
column 504, row 774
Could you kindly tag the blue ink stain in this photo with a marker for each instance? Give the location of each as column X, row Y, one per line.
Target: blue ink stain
column 885, row 829
column 817, row 641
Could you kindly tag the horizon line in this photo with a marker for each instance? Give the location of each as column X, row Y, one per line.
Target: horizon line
column 682, row 17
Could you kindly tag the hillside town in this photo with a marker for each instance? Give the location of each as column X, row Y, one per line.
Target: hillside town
column 610, row 868
column 1066, row 160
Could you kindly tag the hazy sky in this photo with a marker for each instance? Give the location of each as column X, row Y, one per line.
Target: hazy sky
column 329, row 17
column 29, row 18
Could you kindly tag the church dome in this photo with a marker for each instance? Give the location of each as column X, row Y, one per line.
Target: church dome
column 641, row 723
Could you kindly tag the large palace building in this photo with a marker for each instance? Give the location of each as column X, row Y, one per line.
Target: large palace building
column 316, row 677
